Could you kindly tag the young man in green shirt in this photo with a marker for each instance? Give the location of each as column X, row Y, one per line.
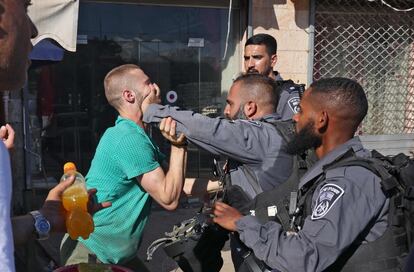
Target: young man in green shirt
column 126, row 171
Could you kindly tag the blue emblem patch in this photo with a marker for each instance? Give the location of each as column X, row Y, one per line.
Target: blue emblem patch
column 328, row 196
column 294, row 104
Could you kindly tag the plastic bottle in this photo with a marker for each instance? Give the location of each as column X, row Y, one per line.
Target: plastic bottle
column 75, row 201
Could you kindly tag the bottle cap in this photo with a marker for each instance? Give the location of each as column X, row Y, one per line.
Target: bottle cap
column 69, row 166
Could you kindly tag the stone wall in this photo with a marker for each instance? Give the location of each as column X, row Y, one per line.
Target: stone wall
column 288, row 22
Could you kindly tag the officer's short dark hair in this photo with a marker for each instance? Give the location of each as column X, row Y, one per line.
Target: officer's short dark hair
column 261, row 85
column 344, row 94
column 263, row 39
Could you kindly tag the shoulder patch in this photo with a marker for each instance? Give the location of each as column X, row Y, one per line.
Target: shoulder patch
column 328, row 196
column 294, row 104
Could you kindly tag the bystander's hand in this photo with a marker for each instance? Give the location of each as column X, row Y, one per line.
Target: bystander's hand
column 226, row 216
column 7, row 135
column 53, row 209
column 167, row 128
column 152, row 96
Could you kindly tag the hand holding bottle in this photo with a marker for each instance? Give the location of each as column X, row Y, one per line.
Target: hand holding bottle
column 79, row 222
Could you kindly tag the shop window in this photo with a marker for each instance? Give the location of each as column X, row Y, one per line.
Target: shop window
column 180, row 48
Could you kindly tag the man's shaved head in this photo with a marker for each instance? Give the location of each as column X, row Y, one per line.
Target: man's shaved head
column 330, row 112
column 258, row 88
column 343, row 98
column 124, row 77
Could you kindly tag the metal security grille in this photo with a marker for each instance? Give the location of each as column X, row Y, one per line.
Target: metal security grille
column 373, row 44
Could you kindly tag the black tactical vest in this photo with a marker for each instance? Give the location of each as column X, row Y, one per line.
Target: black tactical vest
column 386, row 254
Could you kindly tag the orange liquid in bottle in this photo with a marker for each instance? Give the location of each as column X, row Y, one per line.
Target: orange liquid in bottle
column 75, row 197
column 79, row 222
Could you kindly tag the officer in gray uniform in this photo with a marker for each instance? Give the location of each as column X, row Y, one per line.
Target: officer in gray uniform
column 250, row 141
column 260, row 57
column 347, row 205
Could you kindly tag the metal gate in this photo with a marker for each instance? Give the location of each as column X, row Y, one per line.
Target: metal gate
column 373, row 44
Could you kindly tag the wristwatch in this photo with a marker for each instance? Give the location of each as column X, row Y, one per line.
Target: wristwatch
column 42, row 226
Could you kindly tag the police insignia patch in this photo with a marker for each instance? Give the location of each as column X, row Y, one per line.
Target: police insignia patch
column 328, row 196
column 294, row 104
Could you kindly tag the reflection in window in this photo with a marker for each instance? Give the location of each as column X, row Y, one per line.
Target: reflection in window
column 157, row 39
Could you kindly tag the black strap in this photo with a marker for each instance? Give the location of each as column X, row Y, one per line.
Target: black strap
column 251, row 262
column 306, row 192
column 284, row 218
column 290, row 86
column 223, row 173
column 347, row 159
column 390, row 265
column 388, row 182
column 409, row 192
column 286, row 129
column 251, row 177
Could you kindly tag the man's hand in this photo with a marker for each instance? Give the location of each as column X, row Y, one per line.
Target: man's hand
column 93, row 204
column 226, row 216
column 167, row 128
column 53, row 209
column 7, row 135
column 151, row 97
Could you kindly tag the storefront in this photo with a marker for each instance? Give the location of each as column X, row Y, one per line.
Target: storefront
column 191, row 50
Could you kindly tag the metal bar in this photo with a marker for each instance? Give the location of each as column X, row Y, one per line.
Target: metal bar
column 174, row 3
column 26, row 142
column 311, row 45
column 250, row 19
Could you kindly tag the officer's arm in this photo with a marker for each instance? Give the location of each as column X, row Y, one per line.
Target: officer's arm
column 332, row 227
column 237, row 140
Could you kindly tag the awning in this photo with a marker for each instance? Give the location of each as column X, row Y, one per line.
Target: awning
column 57, row 20
column 46, row 50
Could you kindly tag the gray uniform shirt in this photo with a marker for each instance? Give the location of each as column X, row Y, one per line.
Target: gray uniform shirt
column 342, row 206
column 288, row 101
column 256, row 144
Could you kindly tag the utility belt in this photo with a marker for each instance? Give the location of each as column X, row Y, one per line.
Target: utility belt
column 249, row 262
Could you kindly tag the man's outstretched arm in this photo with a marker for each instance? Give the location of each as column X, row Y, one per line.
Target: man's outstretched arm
column 166, row 188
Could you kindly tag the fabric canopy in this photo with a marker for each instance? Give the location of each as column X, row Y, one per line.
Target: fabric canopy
column 57, row 20
column 46, row 50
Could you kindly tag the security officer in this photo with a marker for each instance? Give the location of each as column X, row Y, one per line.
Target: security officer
column 347, row 206
column 260, row 57
column 258, row 160
column 248, row 139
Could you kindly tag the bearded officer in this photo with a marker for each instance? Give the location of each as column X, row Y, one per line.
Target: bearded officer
column 257, row 152
column 347, row 205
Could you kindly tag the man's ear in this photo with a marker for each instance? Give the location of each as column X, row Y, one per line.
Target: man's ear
column 128, row 96
column 322, row 121
column 273, row 60
column 250, row 109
